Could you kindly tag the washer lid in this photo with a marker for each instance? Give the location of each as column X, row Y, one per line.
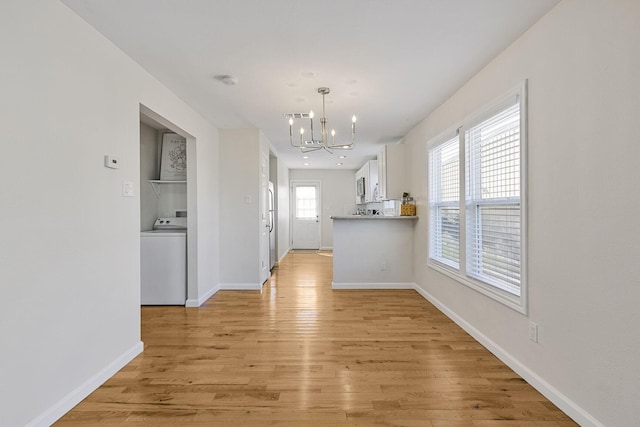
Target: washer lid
column 170, row 223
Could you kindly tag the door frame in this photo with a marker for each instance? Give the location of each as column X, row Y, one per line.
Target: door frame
column 292, row 206
column 193, row 295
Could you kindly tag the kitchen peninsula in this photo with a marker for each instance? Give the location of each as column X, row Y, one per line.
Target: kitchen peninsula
column 373, row 252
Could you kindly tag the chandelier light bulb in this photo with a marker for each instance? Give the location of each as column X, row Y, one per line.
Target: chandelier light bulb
column 353, row 119
column 333, row 132
column 301, row 131
column 311, row 114
column 290, row 121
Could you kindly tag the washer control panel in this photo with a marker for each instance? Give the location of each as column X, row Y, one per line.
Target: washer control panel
column 170, row 223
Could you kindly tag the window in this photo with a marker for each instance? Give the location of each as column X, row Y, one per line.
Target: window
column 444, row 202
column 476, row 215
column 306, row 202
column 493, row 200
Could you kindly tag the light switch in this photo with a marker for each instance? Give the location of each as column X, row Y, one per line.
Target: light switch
column 127, row 189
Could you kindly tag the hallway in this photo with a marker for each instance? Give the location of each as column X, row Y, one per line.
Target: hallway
column 300, row 354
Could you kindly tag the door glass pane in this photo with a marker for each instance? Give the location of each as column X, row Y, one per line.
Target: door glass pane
column 306, row 202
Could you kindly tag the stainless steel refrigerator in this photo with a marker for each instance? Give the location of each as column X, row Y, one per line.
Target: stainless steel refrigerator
column 272, row 226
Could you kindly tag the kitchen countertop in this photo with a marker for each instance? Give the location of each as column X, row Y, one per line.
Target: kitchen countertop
column 379, row 217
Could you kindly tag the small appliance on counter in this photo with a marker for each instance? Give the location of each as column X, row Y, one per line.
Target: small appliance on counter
column 391, row 208
column 360, row 190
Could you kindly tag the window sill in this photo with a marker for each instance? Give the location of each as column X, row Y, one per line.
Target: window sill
column 514, row 302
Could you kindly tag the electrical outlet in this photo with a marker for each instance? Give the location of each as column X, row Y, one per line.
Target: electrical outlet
column 533, row 331
column 383, row 266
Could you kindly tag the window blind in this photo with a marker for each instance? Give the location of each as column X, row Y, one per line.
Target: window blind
column 492, row 178
column 444, row 193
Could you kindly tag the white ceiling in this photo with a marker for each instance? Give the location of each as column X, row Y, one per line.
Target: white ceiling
column 391, row 62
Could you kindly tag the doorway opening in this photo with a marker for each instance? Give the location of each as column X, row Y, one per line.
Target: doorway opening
column 175, row 199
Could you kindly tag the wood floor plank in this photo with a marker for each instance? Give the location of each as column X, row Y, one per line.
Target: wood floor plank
column 301, row 354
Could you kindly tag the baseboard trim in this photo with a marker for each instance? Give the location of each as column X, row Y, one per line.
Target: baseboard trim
column 326, row 248
column 240, row 286
column 569, row 407
column 198, row 302
column 373, row 286
column 64, row 405
column 223, row 287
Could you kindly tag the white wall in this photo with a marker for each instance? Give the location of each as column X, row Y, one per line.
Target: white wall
column 240, row 197
column 173, row 197
column 373, row 253
column 284, row 236
column 70, row 262
column 149, row 167
column 203, row 191
column 582, row 65
column 338, row 196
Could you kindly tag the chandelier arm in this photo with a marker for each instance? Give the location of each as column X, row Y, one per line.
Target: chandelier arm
column 308, row 150
column 291, row 135
column 292, row 144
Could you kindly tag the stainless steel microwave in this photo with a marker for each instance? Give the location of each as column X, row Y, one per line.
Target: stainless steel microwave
column 360, row 186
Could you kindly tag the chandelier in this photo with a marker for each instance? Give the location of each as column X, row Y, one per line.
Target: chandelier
column 309, row 143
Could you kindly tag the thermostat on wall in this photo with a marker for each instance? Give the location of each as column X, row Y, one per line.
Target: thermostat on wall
column 111, row 162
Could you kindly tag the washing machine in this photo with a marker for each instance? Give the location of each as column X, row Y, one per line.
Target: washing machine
column 163, row 263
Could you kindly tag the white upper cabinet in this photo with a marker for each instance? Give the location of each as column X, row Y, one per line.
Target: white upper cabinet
column 391, row 172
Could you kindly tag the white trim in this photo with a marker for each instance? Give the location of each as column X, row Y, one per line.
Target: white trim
column 444, row 136
column 240, row 286
column 381, row 285
column 64, row 405
column 493, row 292
column 496, row 105
column 283, row 256
column 571, row 408
column 223, row 287
column 198, row 302
column 326, row 248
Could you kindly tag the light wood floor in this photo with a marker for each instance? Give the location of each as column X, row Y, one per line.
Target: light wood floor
column 300, row 354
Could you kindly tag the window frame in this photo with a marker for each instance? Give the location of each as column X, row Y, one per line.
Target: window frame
column 517, row 303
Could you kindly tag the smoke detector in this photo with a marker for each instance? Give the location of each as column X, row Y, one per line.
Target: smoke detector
column 226, row 79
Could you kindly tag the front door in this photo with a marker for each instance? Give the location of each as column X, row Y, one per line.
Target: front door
column 305, row 215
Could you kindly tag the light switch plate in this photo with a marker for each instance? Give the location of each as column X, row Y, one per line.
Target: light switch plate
column 533, row 331
column 127, row 189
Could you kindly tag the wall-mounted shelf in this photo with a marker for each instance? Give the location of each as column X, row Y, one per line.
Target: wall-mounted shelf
column 156, row 183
